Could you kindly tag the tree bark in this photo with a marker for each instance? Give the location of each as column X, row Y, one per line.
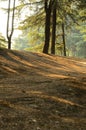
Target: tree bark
column 9, row 34
column 53, row 31
column 9, row 42
column 63, row 37
column 48, row 7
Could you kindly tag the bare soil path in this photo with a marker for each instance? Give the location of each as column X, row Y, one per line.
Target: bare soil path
column 41, row 92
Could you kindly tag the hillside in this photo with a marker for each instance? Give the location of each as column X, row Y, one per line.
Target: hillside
column 41, row 92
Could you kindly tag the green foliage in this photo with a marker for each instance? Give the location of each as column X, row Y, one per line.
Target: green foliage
column 36, row 35
column 20, row 43
column 32, row 20
column 76, row 42
column 36, row 48
column 29, row 38
column 3, row 41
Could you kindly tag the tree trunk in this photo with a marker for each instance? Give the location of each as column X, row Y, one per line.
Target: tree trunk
column 47, row 32
column 63, row 37
column 48, row 7
column 9, row 42
column 10, row 33
column 53, row 31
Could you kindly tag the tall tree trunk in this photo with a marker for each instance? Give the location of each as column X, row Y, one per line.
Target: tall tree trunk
column 9, row 34
column 47, row 32
column 63, row 37
column 53, row 31
column 47, row 26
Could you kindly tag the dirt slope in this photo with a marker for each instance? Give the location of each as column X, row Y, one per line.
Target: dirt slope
column 41, row 92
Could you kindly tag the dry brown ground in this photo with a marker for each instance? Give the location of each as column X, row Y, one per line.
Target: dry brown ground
column 41, row 92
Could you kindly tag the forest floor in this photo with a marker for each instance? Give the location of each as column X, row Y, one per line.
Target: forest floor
column 41, row 92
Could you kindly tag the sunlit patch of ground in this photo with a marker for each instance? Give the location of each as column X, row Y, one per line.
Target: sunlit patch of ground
column 41, row 92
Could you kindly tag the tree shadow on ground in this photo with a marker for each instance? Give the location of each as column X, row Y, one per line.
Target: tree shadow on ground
column 39, row 92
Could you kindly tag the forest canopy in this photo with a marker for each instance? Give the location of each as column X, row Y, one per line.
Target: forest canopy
column 48, row 26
